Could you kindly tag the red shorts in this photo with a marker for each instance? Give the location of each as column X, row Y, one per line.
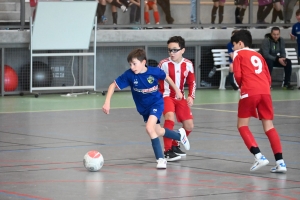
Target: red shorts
column 150, row 4
column 258, row 106
column 179, row 107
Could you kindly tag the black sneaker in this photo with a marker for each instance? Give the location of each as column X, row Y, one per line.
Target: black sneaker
column 288, row 87
column 177, row 151
column 171, row 156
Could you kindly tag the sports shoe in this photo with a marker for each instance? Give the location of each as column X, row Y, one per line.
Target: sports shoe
column 279, row 168
column 177, row 151
column 171, row 156
column 123, row 8
column 183, row 139
column 258, row 163
column 288, row 87
column 103, row 19
column 161, row 163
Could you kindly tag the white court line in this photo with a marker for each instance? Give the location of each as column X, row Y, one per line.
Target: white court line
column 217, row 110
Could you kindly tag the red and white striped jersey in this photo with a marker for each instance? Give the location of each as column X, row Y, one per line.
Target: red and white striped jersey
column 181, row 73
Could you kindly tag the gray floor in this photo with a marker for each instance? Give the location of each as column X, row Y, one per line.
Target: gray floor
column 41, row 157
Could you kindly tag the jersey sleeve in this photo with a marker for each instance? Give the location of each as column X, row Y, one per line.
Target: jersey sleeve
column 123, row 81
column 237, row 68
column 294, row 30
column 190, row 80
column 161, row 75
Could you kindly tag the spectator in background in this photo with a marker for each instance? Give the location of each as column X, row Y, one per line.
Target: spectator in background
column 295, row 35
column 277, row 12
column 135, row 13
column 288, row 8
column 165, row 5
column 194, row 14
column 273, row 51
column 241, row 6
column 264, row 9
column 33, row 4
column 218, row 4
column 100, row 12
column 151, row 5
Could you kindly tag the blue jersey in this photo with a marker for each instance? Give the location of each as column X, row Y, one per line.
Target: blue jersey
column 296, row 32
column 144, row 87
column 230, row 50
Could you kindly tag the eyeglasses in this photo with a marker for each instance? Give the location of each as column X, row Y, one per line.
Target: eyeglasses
column 173, row 50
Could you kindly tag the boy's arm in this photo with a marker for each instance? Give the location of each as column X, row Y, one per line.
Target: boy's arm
column 172, row 84
column 110, row 92
column 293, row 33
column 237, row 69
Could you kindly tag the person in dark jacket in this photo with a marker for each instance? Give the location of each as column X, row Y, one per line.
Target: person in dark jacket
column 273, row 51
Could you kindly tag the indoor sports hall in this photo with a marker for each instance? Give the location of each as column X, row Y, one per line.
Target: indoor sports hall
column 43, row 141
column 55, row 71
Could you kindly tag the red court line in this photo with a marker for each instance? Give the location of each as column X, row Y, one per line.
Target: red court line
column 156, row 183
column 24, row 195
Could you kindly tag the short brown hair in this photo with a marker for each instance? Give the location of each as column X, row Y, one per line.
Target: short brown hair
column 139, row 54
column 298, row 12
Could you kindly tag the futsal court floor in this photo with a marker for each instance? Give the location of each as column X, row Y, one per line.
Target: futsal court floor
column 43, row 141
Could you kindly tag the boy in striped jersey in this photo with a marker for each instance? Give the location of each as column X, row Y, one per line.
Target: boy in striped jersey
column 181, row 71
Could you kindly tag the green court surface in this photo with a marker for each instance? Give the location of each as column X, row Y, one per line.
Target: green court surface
column 120, row 99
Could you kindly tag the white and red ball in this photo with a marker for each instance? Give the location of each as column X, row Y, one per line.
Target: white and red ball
column 93, row 161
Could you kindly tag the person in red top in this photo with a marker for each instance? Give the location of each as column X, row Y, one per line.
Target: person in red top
column 252, row 75
column 181, row 71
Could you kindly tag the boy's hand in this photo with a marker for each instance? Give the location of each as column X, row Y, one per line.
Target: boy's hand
column 105, row 108
column 179, row 94
column 190, row 101
column 292, row 36
column 231, row 67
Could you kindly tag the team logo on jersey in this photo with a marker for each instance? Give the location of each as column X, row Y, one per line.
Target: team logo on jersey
column 150, row 79
column 135, row 82
column 154, row 110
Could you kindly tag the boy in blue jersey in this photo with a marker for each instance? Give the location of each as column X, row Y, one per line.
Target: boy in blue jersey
column 295, row 34
column 143, row 81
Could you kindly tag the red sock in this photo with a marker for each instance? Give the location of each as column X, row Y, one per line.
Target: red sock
column 274, row 140
column 247, row 137
column 147, row 20
column 156, row 16
column 167, row 141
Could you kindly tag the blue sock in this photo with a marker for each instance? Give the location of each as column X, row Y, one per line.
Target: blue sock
column 172, row 134
column 157, row 148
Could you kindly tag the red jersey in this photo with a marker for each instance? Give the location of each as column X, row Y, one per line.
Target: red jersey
column 251, row 72
column 181, row 73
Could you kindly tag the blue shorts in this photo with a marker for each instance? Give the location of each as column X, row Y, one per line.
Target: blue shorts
column 156, row 110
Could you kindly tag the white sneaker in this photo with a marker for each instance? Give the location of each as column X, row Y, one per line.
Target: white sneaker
column 161, row 163
column 123, row 8
column 279, row 168
column 183, row 139
column 258, row 163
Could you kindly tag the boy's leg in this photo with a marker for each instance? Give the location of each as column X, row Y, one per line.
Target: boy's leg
column 185, row 116
column 246, row 109
column 214, row 11
column 169, row 154
column 169, row 116
column 150, row 128
column 266, row 114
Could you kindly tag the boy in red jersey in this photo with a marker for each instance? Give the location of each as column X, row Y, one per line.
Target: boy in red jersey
column 181, row 71
column 252, row 75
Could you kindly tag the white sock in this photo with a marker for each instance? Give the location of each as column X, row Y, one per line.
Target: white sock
column 258, row 155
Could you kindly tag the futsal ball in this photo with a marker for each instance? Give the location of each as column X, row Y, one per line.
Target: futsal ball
column 93, row 161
